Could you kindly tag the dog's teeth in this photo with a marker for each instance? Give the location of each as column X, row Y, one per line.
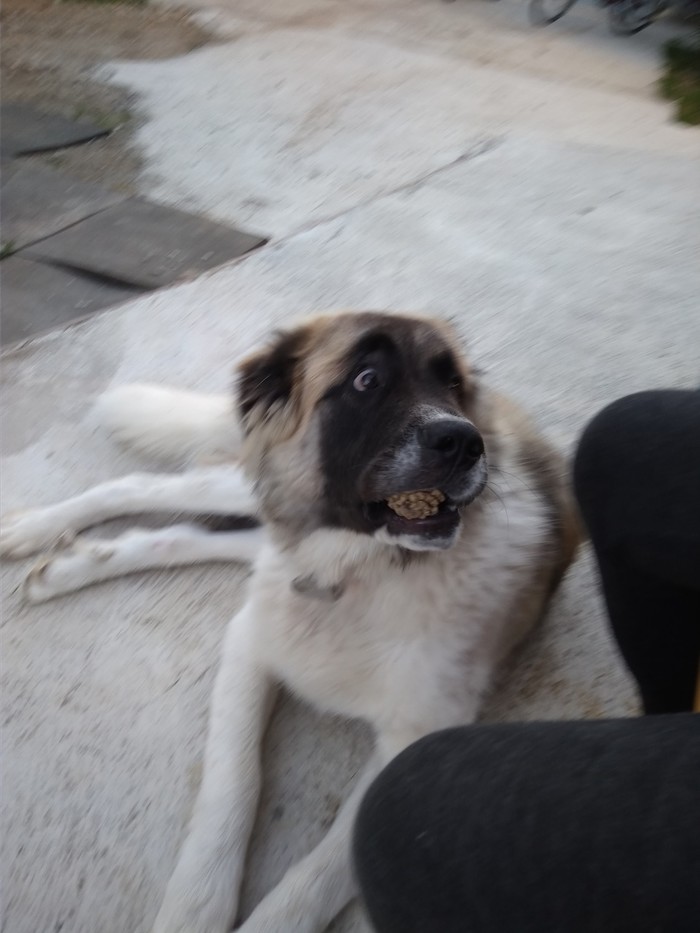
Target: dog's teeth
column 419, row 504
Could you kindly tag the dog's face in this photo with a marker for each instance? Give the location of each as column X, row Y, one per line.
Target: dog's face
column 364, row 422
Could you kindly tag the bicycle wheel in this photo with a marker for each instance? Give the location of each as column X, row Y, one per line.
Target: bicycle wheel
column 628, row 17
column 544, row 12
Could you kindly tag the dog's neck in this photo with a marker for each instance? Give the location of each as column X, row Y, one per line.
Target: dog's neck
column 326, row 560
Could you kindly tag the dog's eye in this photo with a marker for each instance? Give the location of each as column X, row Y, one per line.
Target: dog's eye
column 367, row 379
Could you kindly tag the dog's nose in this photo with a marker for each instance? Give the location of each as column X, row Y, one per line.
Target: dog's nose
column 457, row 441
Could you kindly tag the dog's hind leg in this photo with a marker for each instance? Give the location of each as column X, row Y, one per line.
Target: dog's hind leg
column 221, row 490
column 90, row 561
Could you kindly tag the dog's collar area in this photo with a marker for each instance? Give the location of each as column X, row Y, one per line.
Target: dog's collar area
column 312, row 589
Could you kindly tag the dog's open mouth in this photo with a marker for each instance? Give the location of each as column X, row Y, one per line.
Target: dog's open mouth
column 426, row 512
column 424, row 503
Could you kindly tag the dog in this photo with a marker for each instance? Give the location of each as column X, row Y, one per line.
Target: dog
column 412, row 526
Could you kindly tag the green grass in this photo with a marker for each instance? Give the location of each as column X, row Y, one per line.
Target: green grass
column 681, row 78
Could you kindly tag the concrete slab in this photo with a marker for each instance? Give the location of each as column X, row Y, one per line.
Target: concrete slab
column 315, row 108
column 26, row 129
column 555, row 221
column 144, row 245
column 37, row 297
column 37, row 202
column 567, row 307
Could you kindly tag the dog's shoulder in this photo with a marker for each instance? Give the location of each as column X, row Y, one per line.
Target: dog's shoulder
column 521, row 454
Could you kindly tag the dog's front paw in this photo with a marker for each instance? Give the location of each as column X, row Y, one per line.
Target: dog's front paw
column 25, row 533
column 39, row 586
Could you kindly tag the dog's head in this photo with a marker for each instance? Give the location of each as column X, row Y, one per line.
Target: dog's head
column 364, row 421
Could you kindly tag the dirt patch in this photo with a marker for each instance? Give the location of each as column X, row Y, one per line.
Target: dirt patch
column 49, row 51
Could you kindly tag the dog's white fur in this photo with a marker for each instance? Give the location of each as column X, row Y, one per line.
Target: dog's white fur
column 408, row 651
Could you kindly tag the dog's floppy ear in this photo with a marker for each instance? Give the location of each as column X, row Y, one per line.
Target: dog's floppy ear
column 268, row 382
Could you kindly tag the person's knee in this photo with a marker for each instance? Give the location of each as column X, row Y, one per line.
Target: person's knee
column 620, row 450
column 604, row 443
column 511, row 826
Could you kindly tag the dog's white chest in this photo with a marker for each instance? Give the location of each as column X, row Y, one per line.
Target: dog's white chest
column 350, row 654
column 396, row 639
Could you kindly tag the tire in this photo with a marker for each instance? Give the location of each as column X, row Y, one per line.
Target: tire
column 628, row 17
column 545, row 12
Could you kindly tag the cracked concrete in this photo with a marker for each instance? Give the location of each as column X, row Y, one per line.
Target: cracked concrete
column 566, row 253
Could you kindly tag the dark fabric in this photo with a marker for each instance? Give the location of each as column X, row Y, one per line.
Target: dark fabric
column 637, row 480
column 586, row 827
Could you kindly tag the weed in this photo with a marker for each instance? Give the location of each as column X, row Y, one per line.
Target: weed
column 681, row 79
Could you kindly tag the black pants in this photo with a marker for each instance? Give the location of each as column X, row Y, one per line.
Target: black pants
column 637, row 480
column 588, row 827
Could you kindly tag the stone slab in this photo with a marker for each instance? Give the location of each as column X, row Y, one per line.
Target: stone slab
column 146, row 245
column 26, row 129
column 37, row 298
column 37, row 201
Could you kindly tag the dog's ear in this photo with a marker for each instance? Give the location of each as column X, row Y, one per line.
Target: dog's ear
column 268, row 382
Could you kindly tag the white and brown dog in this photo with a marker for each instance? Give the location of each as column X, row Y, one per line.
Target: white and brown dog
column 413, row 526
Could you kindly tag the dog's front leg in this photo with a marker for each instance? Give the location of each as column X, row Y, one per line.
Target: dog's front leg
column 202, row 895
column 318, row 887
column 314, row 890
